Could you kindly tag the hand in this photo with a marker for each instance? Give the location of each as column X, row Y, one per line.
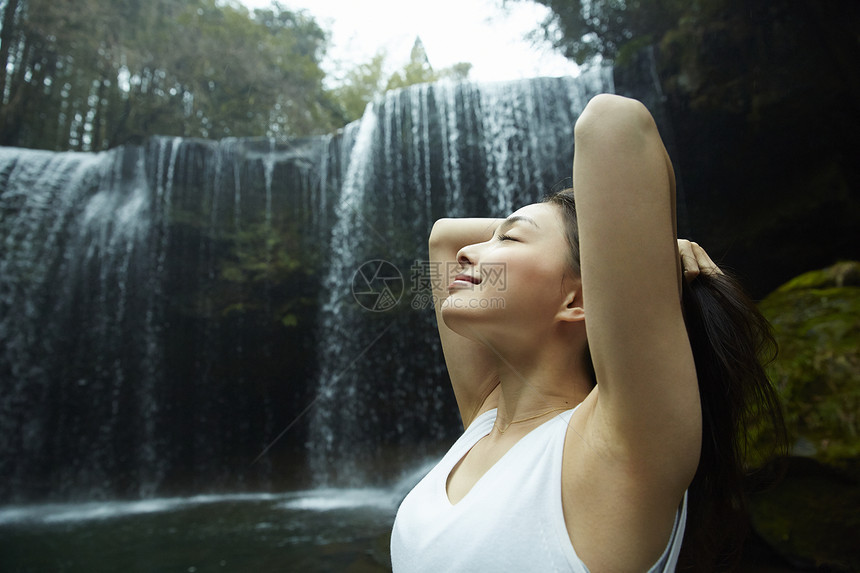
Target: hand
column 695, row 260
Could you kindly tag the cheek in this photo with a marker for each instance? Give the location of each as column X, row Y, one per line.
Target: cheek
column 533, row 287
column 534, row 270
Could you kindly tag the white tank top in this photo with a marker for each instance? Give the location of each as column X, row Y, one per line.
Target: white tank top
column 526, row 532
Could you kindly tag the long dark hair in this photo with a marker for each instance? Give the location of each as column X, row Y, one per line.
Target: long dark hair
column 731, row 343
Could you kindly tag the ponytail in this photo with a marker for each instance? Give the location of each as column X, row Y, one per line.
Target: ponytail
column 731, row 343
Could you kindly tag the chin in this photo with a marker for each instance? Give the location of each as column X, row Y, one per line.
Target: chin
column 463, row 314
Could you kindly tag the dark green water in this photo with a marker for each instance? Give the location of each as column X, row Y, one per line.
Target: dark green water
column 313, row 531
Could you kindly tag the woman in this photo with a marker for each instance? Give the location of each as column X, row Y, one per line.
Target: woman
column 596, row 420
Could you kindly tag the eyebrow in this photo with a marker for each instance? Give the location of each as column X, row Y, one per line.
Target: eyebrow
column 514, row 219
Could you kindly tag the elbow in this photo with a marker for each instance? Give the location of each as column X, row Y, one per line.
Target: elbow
column 616, row 117
column 439, row 234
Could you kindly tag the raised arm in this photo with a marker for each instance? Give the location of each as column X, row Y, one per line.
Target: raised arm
column 647, row 409
column 470, row 364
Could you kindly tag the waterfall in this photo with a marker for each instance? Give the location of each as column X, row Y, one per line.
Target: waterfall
column 144, row 314
column 429, row 151
column 74, row 228
column 251, row 314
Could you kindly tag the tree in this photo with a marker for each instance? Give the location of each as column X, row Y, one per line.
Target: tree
column 418, row 70
column 360, row 85
column 457, row 72
column 363, row 83
column 590, row 30
column 89, row 74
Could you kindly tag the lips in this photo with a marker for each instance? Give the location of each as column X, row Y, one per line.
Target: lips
column 464, row 281
column 467, row 278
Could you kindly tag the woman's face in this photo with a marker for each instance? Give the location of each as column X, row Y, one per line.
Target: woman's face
column 516, row 282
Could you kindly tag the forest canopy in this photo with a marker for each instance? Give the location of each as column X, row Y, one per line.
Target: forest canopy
column 94, row 74
column 89, row 74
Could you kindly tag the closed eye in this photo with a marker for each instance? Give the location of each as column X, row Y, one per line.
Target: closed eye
column 506, row 238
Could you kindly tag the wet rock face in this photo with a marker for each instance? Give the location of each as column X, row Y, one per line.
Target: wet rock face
column 808, row 519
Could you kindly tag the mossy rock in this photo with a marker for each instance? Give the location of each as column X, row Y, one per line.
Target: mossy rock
column 816, row 321
column 843, row 274
column 810, row 516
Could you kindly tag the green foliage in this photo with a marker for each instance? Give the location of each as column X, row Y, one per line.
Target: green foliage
column 846, row 273
column 816, row 321
column 261, row 271
column 259, row 253
column 456, row 72
column 723, row 54
column 104, row 73
column 609, row 30
column 101, row 73
column 264, row 270
column 360, row 85
column 419, row 70
column 363, row 83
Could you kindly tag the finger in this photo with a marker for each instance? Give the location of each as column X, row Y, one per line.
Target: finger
column 704, row 262
column 689, row 263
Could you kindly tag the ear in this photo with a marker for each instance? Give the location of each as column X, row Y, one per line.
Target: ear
column 572, row 310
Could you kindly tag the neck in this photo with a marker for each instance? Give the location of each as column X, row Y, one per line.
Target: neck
column 533, row 385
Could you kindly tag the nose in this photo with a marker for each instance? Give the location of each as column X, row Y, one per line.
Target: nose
column 466, row 256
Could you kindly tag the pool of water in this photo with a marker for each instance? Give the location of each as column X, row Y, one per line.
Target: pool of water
column 313, row 530
column 317, row 530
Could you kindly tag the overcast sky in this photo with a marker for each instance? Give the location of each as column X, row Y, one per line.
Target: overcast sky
column 476, row 31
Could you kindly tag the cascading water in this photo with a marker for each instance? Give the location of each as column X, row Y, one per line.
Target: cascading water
column 430, row 151
column 75, row 228
column 166, row 310
column 150, row 305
